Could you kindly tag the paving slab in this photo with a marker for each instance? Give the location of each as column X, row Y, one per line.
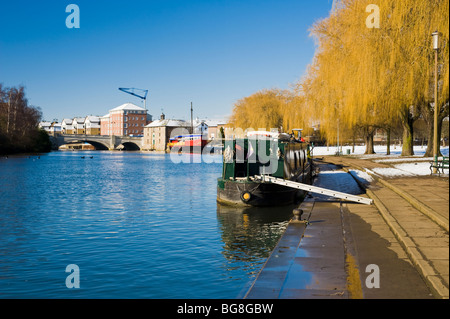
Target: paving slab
column 417, row 212
column 329, row 258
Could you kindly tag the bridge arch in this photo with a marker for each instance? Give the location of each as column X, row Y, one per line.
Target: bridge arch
column 98, row 145
column 100, row 142
column 130, row 146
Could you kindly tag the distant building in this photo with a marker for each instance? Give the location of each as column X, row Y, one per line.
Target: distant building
column 214, row 127
column 78, row 125
column 92, row 125
column 157, row 133
column 127, row 119
column 380, row 136
column 51, row 128
column 45, row 126
column 55, row 128
column 67, row 127
column 105, row 125
column 200, row 127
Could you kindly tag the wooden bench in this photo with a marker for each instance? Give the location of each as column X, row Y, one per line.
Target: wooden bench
column 440, row 165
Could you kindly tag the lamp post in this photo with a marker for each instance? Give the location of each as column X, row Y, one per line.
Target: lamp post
column 436, row 105
column 338, row 139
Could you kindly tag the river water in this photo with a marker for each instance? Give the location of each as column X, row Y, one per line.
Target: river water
column 137, row 225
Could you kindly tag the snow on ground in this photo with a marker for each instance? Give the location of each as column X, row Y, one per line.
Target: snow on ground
column 406, row 169
column 416, row 165
column 363, row 177
column 380, row 151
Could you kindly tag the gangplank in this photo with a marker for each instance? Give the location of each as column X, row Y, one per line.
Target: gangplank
column 314, row 189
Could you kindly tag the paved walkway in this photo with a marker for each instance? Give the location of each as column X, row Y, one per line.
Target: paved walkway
column 308, row 261
column 416, row 209
column 404, row 235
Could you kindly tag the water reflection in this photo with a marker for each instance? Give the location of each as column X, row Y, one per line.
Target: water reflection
column 249, row 234
column 137, row 225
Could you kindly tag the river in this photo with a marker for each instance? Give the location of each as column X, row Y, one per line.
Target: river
column 137, row 225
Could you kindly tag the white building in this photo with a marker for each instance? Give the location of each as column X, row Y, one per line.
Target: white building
column 209, row 128
column 67, row 127
column 78, row 125
column 45, row 126
column 55, row 128
column 92, row 125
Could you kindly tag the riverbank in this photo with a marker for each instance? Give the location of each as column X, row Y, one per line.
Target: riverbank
column 38, row 142
column 344, row 243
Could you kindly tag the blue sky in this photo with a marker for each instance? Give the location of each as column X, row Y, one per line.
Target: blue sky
column 209, row 52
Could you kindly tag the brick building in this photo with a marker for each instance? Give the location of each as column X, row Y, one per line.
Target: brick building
column 105, row 125
column 125, row 120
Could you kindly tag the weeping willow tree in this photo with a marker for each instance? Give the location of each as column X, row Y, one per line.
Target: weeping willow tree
column 368, row 77
column 439, row 23
column 342, row 82
column 364, row 75
column 261, row 110
column 411, row 24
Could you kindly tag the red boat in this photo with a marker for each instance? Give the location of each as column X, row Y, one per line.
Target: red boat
column 192, row 143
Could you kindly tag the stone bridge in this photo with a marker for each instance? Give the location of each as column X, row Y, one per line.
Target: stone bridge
column 100, row 142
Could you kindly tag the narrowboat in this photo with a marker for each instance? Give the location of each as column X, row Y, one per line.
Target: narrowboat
column 246, row 161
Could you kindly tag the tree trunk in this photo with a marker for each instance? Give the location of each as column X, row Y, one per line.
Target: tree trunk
column 429, row 151
column 408, row 137
column 388, row 141
column 430, row 122
column 353, row 144
column 408, row 114
column 368, row 137
column 439, row 132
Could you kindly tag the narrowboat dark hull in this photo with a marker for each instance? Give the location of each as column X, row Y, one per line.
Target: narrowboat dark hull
column 258, row 194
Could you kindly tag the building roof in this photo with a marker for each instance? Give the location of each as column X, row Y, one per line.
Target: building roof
column 45, row 124
column 171, row 123
column 67, row 121
column 128, row 107
column 209, row 122
column 92, row 119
